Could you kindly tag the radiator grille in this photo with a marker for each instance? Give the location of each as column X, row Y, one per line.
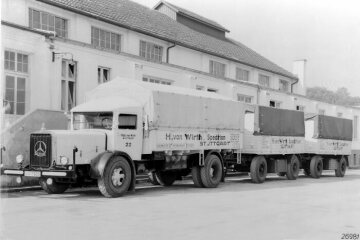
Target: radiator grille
column 40, row 150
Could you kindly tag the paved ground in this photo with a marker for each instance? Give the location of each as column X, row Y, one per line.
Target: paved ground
column 278, row 209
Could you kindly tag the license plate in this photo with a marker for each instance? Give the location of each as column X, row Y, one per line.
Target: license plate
column 32, row 174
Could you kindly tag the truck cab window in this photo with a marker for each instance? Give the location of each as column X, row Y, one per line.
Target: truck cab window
column 102, row 120
column 127, row 121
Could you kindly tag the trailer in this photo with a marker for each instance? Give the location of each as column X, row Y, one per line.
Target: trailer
column 273, row 141
column 327, row 143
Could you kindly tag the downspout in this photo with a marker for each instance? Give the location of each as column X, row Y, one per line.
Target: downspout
column 167, row 52
column 258, row 95
column 291, row 88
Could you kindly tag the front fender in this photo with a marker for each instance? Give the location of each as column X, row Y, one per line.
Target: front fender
column 98, row 165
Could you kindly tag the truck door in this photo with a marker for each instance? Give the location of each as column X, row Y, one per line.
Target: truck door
column 128, row 134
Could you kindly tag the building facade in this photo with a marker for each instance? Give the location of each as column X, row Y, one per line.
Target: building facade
column 54, row 51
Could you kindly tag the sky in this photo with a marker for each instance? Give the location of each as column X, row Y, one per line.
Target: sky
column 324, row 32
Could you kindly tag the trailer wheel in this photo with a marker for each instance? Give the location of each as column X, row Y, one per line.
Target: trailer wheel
column 54, row 187
column 153, row 179
column 116, row 178
column 166, row 178
column 211, row 173
column 341, row 169
column 293, row 165
column 195, row 173
column 258, row 169
column 316, row 166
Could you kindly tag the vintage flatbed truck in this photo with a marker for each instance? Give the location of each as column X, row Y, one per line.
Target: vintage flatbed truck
column 126, row 127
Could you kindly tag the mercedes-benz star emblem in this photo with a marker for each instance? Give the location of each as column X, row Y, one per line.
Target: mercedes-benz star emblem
column 40, row 149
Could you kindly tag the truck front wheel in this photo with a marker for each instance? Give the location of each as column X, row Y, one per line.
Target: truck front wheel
column 316, row 166
column 341, row 169
column 258, row 169
column 116, row 178
column 212, row 171
column 53, row 187
column 293, row 165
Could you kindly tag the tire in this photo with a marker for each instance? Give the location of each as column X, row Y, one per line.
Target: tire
column 211, row 173
column 316, row 166
column 153, row 179
column 293, row 166
column 341, row 169
column 116, row 178
column 258, row 169
column 166, row 178
column 195, row 173
column 54, row 188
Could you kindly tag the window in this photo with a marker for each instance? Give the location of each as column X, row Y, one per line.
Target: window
column 339, row 114
column 212, row 90
column 105, row 39
column 275, row 104
column 15, row 95
column 151, row 51
column 300, row 108
column 16, row 72
column 157, row 80
column 49, row 22
column 217, row 69
column 244, row 98
column 264, row 80
column 16, row 62
column 201, row 88
column 321, row 112
column 127, row 121
column 284, row 85
column 103, row 74
column 242, row 74
column 355, row 127
column 68, row 85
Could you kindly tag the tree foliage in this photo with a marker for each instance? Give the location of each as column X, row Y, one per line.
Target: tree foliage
column 340, row 97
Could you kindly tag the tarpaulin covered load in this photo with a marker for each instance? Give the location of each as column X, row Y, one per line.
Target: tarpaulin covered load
column 327, row 127
column 280, row 122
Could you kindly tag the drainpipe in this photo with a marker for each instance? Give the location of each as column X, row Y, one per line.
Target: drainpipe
column 167, row 52
column 258, row 95
column 291, row 88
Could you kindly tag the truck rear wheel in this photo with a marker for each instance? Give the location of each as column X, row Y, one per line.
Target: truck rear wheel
column 293, row 166
column 258, row 169
column 166, row 178
column 316, row 166
column 212, row 171
column 341, row 169
column 54, row 187
column 195, row 173
column 116, row 178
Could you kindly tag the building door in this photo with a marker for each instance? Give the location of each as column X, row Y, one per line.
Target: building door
column 68, row 84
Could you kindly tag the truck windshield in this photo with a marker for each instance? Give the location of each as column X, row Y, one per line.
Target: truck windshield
column 98, row 120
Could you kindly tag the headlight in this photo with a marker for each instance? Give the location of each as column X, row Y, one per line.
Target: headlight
column 19, row 158
column 64, row 160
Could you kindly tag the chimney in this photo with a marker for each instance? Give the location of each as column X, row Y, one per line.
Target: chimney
column 299, row 70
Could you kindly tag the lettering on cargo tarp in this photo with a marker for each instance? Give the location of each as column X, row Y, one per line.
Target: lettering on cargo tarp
column 286, row 143
column 337, row 145
column 188, row 140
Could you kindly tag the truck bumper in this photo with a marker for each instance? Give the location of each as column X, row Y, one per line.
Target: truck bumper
column 38, row 173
